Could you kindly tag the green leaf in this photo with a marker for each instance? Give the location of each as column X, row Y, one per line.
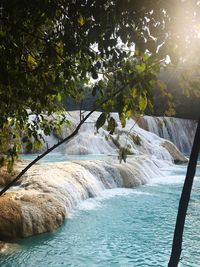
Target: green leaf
column 145, row 57
column 142, row 103
column 161, row 85
column 81, row 20
column 29, row 146
column 101, row 120
column 2, row 33
column 111, row 125
column 10, row 166
column 59, row 97
column 31, row 62
column 122, row 120
column 170, row 112
column 122, row 154
column 2, row 160
column 140, row 68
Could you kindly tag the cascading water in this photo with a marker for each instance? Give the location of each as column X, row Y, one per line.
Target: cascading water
column 66, row 184
column 120, row 227
column 179, row 131
column 50, row 191
column 56, row 188
column 137, row 140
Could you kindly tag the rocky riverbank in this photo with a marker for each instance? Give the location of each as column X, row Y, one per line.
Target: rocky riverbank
column 48, row 192
column 45, row 195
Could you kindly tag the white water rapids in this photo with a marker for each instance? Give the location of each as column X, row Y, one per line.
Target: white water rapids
column 49, row 191
column 137, row 140
column 179, row 131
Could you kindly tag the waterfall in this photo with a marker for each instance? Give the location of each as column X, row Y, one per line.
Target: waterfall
column 179, row 131
column 49, row 191
column 136, row 140
column 72, row 182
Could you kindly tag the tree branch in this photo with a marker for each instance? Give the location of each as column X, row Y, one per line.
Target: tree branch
column 44, row 154
column 56, row 145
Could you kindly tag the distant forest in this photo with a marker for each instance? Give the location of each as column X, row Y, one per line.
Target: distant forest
column 186, row 104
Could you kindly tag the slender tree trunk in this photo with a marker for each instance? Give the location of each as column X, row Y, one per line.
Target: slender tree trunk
column 44, row 154
column 184, row 201
column 82, row 121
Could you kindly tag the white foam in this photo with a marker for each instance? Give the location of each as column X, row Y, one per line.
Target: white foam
column 179, row 131
column 90, row 204
column 171, row 179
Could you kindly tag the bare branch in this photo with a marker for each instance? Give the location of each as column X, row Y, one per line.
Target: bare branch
column 83, row 119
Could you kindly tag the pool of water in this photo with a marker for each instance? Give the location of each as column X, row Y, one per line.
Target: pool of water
column 52, row 157
column 121, row 228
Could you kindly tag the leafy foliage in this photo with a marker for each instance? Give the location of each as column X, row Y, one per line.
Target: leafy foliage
column 52, row 49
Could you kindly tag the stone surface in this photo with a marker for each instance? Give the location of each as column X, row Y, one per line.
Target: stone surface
column 27, row 213
column 11, row 217
column 3, row 247
column 141, row 122
column 48, row 192
column 177, row 156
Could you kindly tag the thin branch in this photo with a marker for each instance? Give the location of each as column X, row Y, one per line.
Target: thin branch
column 44, row 154
column 129, row 132
column 56, row 145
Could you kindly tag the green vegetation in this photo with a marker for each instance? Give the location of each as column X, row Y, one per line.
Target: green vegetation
column 136, row 139
column 50, row 50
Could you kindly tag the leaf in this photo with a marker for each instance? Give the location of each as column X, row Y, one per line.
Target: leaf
column 142, row 103
column 122, row 120
column 122, row 154
column 140, row 68
column 128, row 113
column 2, row 160
column 37, row 144
column 197, row 92
column 94, row 91
column 10, row 166
column 145, row 57
column 101, row 120
column 25, row 139
column 161, row 85
column 2, row 33
column 31, row 62
column 133, row 92
column 170, row 112
column 81, row 20
column 94, row 74
column 59, row 97
column 29, row 146
column 111, row 125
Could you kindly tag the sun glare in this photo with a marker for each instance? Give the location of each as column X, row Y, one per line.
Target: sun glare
column 187, row 28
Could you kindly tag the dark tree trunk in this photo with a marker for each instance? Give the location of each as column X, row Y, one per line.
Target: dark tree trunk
column 184, row 201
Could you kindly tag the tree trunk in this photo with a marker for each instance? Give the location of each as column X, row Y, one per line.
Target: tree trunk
column 184, row 201
column 82, row 121
column 44, row 154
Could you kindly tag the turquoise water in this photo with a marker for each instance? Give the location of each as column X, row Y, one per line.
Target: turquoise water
column 52, row 157
column 121, row 228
